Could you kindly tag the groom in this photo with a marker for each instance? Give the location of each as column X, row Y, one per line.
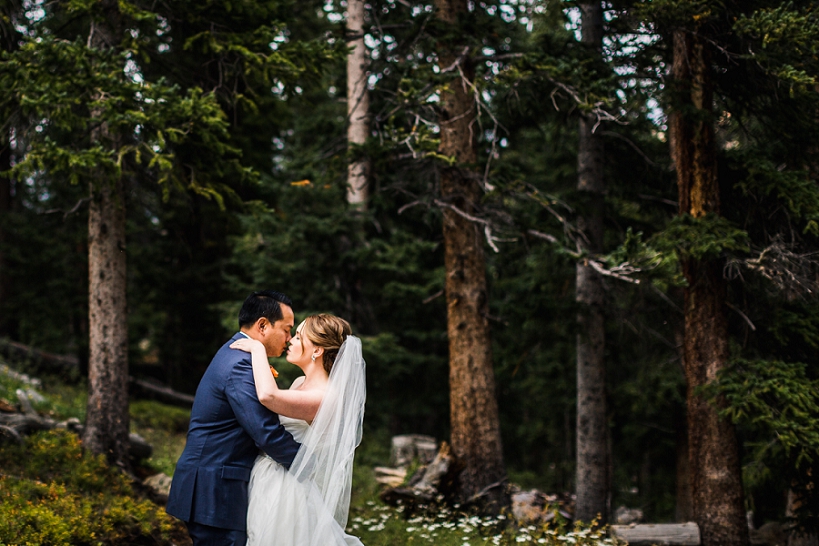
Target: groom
column 228, row 427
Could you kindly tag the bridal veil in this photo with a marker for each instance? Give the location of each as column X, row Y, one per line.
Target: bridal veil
column 326, row 455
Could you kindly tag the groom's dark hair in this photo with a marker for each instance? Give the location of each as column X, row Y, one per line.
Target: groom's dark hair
column 263, row 303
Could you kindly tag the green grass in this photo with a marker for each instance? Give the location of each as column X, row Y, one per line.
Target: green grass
column 165, row 428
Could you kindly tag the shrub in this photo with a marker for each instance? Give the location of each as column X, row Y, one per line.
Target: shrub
column 53, row 493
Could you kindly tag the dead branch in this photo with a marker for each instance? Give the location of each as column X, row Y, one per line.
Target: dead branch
column 743, row 315
column 792, row 273
column 544, row 236
column 620, row 272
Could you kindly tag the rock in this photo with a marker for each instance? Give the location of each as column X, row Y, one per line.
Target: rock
column 25, row 403
column 159, row 483
column 407, row 447
column 627, row 516
column 23, row 378
column 769, row 534
column 35, row 396
column 140, row 449
column 6, row 406
column 528, row 506
column 72, row 423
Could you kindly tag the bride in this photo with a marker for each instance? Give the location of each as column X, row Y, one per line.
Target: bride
column 324, row 411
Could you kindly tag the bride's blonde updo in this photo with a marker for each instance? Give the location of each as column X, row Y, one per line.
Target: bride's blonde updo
column 328, row 332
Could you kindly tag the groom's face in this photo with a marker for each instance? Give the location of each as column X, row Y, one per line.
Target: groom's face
column 278, row 333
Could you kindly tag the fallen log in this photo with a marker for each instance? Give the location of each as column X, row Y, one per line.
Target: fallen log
column 392, row 477
column 161, row 393
column 25, row 424
column 8, row 434
column 65, row 365
column 68, row 367
column 15, row 425
column 645, row 534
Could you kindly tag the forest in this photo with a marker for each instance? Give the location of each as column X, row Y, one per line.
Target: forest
column 579, row 239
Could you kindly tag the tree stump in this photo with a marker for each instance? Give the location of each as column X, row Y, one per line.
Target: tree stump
column 407, row 447
column 429, row 484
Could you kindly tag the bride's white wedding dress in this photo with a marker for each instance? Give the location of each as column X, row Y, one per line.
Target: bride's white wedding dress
column 308, row 504
column 286, row 512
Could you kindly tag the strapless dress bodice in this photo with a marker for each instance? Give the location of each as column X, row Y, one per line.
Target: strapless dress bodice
column 297, row 427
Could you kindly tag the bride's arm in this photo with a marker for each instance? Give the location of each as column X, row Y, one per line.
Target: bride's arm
column 290, row 403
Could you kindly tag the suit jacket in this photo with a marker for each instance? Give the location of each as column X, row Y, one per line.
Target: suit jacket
column 228, row 427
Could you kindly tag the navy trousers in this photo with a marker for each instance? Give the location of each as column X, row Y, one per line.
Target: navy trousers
column 205, row 535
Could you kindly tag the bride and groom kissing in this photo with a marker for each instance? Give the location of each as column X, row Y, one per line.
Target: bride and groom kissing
column 269, row 466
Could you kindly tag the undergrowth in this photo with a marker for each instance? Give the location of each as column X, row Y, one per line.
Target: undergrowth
column 53, row 493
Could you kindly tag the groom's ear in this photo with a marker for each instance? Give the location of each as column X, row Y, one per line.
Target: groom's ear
column 262, row 324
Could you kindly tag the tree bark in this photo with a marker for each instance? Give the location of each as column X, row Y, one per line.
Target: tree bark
column 476, row 440
column 9, row 38
column 713, row 447
column 795, row 538
column 358, row 104
column 592, row 485
column 107, row 421
column 684, row 510
column 5, row 208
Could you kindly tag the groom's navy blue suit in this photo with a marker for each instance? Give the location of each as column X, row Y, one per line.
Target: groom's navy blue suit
column 228, row 427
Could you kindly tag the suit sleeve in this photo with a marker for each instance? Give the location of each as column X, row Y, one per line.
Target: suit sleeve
column 259, row 422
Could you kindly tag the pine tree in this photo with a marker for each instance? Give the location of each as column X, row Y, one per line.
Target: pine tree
column 476, row 437
column 592, row 423
column 9, row 37
column 713, row 446
column 93, row 118
column 358, row 104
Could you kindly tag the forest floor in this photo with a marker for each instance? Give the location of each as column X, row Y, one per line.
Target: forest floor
column 53, row 493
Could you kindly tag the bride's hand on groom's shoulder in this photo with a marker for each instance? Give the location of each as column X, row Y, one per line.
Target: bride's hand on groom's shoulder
column 247, row 345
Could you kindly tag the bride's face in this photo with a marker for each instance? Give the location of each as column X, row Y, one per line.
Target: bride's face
column 301, row 349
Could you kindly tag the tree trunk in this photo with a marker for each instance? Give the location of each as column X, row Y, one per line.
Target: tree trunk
column 713, row 448
column 592, row 454
column 5, row 208
column 476, row 440
column 106, row 428
column 107, row 420
column 358, row 103
column 795, row 538
column 9, row 37
column 684, row 510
